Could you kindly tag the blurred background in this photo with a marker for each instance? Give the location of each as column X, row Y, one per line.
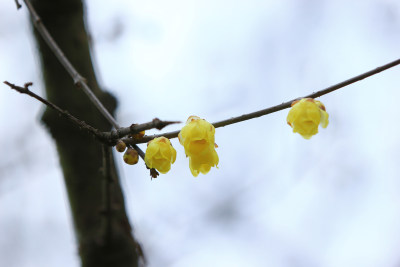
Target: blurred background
column 277, row 199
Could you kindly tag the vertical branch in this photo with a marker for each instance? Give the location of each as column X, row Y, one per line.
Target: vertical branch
column 80, row 155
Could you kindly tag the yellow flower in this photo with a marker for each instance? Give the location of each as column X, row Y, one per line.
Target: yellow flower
column 198, row 139
column 160, row 154
column 305, row 116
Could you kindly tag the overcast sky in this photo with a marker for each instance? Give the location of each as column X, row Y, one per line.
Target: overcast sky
column 276, row 199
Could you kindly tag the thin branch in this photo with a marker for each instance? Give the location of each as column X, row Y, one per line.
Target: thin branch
column 79, row 81
column 274, row 108
column 108, row 138
column 148, row 138
column 136, row 128
column 153, row 172
column 81, row 124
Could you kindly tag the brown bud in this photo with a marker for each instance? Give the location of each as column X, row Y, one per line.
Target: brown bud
column 131, row 156
column 120, row 146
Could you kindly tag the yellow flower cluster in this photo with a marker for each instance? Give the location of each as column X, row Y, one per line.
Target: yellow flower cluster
column 306, row 115
column 198, row 139
column 160, row 154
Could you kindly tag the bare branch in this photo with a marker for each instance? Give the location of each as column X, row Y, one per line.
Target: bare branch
column 81, row 124
column 148, row 138
column 136, row 128
column 274, row 108
column 79, row 81
column 313, row 95
column 108, row 138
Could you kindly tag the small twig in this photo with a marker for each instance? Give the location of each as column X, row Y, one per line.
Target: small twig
column 148, row 138
column 79, row 81
column 108, row 138
column 18, row 4
column 139, row 151
column 274, row 108
column 81, row 124
column 136, row 128
column 153, row 172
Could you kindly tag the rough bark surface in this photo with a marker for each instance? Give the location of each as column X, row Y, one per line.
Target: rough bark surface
column 79, row 154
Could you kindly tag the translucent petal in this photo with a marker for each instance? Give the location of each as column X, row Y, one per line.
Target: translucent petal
column 324, row 119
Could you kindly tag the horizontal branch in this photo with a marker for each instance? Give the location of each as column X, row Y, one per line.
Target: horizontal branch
column 104, row 137
column 137, row 128
column 81, row 124
column 276, row 108
column 108, row 138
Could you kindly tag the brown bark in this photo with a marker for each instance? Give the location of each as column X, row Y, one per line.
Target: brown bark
column 81, row 155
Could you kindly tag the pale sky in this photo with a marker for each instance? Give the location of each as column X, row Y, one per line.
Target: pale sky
column 276, row 199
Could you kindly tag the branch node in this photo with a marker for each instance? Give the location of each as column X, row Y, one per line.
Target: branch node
column 37, row 21
column 26, row 85
column 114, row 134
column 79, row 80
column 159, row 124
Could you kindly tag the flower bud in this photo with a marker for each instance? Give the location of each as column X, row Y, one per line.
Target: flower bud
column 120, row 146
column 131, row 156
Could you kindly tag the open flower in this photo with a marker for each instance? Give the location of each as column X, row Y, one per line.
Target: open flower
column 160, row 154
column 198, row 139
column 306, row 115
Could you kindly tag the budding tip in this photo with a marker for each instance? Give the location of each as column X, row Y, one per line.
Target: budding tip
column 120, row 146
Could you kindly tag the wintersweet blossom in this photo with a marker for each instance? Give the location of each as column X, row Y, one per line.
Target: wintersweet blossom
column 198, row 139
column 160, row 154
column 306, row 115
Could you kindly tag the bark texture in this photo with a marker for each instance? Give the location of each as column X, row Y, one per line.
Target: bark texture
column 79, row 154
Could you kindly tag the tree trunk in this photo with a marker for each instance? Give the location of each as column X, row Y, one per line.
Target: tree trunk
column 80, row 154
